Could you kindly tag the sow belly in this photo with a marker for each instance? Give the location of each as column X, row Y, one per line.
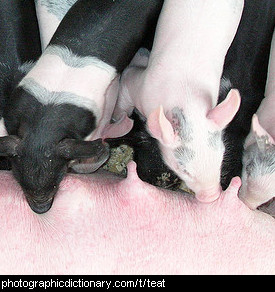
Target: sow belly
column 104, row 224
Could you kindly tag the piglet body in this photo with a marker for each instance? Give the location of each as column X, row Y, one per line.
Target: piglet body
column 176, row 89
column 59, row 110
column 245, row 68
column 259, row 154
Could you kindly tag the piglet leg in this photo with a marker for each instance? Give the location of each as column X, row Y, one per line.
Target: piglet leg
column 131, row 84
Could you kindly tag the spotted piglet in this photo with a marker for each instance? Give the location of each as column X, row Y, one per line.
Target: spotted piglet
column 259, row 156
column 245, row 68
column 177, row 88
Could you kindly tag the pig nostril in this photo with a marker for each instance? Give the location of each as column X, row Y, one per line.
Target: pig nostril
column 41, row 208
column 40, row 204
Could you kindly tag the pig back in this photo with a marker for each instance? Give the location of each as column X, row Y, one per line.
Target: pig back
column 110, row 30
column 20, row 41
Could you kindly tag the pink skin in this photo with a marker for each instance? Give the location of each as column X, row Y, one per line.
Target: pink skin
column 181, row 78
column 102, row 224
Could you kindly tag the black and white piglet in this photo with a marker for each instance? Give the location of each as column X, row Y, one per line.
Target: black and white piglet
column 62, row 107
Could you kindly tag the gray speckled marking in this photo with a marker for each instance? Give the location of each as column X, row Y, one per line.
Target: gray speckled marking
column 47, row 97
column 257, row 162
column 215, row 140
column 57, row 7
column 181, row 126
column 184, row 155
column 263, row 142
column 72, row 60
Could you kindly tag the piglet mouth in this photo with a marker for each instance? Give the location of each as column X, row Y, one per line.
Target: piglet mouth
column 209, row 196
column 40, row 206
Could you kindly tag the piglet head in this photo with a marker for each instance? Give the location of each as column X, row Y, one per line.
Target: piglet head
column 258, row 167
column 39, row 169
column 191, row 143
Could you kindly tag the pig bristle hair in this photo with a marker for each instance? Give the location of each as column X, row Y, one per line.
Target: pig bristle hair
column 6, row 79
column 226, row 157
column 26, row 67
column 53, row 97
column 6, row 65
column 225, row 86
column 75, row 61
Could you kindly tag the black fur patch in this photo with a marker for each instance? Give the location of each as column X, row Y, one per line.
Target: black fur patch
column 110, row 30
column 147, row 155
column 26, row 117
column 38, row 166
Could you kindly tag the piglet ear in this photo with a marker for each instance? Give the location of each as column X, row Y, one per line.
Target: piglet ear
column 119, row 128
column 225, row 111
column 78, row 149
column 8, row 145
column 160, row 127
column 263, row 139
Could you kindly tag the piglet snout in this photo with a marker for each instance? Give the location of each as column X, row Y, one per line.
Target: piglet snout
column 40, row 201
column 40, row 206
column 209, row 196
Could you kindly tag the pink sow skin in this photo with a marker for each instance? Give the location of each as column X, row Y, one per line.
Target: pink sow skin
column 104, row 224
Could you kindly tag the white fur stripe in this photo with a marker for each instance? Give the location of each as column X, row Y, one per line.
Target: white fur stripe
column 47, row 97
column 72, row 60
column 56, row 7
column 59, row 74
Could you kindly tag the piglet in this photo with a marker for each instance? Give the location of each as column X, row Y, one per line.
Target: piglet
column 245, row 68
column 177, row 88
column 59, row 111
column 259, row 154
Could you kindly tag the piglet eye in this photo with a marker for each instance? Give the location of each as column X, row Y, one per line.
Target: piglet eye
column 186, row 172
